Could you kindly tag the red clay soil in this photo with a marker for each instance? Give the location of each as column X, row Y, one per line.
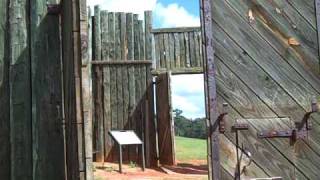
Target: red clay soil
column 181, row 171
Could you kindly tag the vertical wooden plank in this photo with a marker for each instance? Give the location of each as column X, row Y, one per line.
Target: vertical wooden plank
column 177, row 50
column 125, row 80
column 164, row 120
column 118, row 53
column 200, row 49
column 131, row 75
column 317, row 5
column 192, row 49
column 211, row 95
column 20, row 101
column 86, row 89
column 157, row 50
column 148, row 34
column 182, row 50
column 104, row 35
column 151, row 125
column 197, row 49
column 187, row 50
column 136, row 37
column 105, row 55
column 142, row 41
column 4, row 92
column 144, row 111
column 171, row 49
column 166, row 50
column 99, row 148
column 46, row 94
column 162, row 51
column 113, row 108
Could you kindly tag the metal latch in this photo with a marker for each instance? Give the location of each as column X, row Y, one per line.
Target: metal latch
column 299, row 132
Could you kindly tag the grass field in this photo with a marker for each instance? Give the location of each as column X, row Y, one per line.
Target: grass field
column 189, row 149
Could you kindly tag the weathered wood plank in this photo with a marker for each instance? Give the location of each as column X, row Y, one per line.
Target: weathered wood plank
column 4, row 92
column 148, row 35
column 264, row 85
column 162, row 51
column 167, row 50
column 157, row 51
column 182, row 50
column 20, row 91
column 47, row 118
column 141, row 40
column 193, row 60
column 176, row 50
column 171, row 50
column 265, row 56
column 278, row 29
column 99, row 88
column 136, row 37
column 105, row 54
column 164, row 120
column 187, row 50
column 175, row 30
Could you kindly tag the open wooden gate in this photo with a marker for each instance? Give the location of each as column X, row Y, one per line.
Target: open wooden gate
column 165, row 120
column 123, row 100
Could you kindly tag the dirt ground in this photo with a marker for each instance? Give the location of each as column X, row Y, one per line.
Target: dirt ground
column 188, row 170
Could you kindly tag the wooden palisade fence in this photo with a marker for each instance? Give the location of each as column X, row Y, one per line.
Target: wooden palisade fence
column 178, row 50
column 41, row 111
column 122, row 82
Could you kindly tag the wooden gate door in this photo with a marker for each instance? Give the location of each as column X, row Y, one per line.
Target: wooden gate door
column 165, row 120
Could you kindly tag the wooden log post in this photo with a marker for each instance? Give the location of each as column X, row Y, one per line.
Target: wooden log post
column 211, row 92
column 317, row 5
column 86, row 32
column 20, row 92
column 47, row 119
column 98, row 121
column 4, row 93
column 150, row 140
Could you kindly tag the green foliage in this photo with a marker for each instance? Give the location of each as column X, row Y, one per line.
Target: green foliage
column 189, row 128
column 133, row 164
column 188, row 149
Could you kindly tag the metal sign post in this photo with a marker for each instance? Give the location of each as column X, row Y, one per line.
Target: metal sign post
column 127, row 138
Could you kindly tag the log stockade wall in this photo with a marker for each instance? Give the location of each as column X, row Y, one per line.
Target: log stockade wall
column 267, row 68
column 122, row 83
column 178, row 50
column 34, row 70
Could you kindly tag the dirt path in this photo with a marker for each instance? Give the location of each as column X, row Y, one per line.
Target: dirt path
column 110, row 172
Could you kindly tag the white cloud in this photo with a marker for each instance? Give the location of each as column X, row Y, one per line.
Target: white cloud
column 133, row 6
column 188, row 95
column 188, row 83
column 174, row 15
column 183, row 103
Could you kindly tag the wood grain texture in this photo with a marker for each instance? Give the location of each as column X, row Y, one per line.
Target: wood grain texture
column 164, row 120
column 4, row 92
column 47, row 108
column 20, row 91
column 281, row 27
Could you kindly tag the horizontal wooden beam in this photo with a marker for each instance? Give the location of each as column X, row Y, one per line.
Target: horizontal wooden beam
column 120, row 62
column 176, row 30
column 193, row 70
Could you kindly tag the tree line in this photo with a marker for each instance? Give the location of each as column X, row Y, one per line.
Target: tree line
column 192, row 128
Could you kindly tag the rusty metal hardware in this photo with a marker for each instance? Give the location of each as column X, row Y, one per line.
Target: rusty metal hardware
column 235, row 128
column 240, row 126
column 223, row 118
column 54, row 9
column 299, row 132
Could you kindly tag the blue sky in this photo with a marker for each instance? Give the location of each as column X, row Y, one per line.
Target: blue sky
column 187, row 90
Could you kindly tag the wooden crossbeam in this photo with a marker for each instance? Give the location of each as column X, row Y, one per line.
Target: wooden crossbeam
column 120, row 62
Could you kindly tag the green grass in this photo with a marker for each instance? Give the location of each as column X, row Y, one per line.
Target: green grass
column 190, row 149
